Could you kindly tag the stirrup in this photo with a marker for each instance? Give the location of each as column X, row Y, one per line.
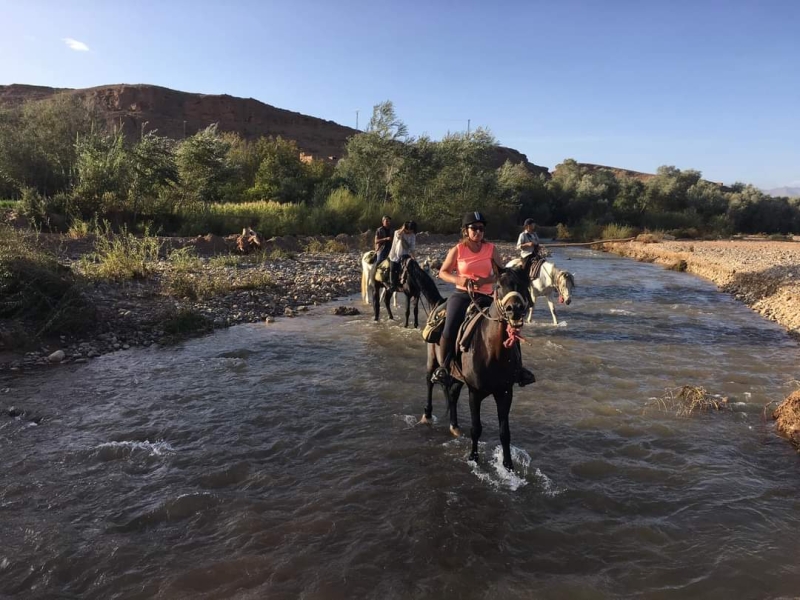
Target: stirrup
column 525, row 377
column 440, row 375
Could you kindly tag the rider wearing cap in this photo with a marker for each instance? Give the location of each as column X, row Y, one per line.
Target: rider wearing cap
column 383, row 239
column 528, row 242
column 471, row 260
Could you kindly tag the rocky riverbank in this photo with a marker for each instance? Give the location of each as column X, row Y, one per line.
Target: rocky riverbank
column 209, row 288
column 765, row 275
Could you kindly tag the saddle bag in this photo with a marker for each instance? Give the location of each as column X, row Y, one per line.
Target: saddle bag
column 432, row 332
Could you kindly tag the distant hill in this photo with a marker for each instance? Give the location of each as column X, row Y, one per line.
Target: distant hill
column 643, row 177
column 178, row 114
column 791, row 192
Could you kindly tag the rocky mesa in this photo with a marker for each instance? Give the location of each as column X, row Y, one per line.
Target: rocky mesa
column 177, row 114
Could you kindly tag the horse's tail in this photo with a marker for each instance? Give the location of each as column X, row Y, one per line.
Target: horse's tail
column 363, row 282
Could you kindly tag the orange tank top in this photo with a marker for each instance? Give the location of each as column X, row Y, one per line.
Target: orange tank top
column 476, row 264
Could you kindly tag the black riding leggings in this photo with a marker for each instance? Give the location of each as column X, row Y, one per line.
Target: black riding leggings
column 457, row 305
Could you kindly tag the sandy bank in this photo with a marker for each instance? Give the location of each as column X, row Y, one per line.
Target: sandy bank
column 764, row 275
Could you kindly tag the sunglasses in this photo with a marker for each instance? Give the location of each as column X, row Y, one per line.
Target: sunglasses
column 479, row 228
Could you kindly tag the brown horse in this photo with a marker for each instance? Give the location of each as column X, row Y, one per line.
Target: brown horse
column 490, row 364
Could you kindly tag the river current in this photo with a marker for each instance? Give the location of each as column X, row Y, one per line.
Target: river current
column 287, row 461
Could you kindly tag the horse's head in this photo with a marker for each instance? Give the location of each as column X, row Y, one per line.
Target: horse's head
column 513, row 295
column 564, row 284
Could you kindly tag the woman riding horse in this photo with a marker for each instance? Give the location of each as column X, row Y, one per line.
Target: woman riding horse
column 476, row 263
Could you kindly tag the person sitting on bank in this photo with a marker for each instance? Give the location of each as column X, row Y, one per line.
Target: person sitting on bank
column 528, row 242
column 474, row 260
column 404, row 244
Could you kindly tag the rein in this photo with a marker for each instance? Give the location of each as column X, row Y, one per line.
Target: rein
column 513, row 332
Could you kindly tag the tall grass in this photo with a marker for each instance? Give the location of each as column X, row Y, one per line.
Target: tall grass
column 122, row 256
column 343, row 212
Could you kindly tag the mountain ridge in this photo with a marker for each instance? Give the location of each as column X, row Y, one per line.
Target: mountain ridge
column 177, row 114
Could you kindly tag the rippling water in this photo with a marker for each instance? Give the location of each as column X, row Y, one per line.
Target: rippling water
column 286, row 462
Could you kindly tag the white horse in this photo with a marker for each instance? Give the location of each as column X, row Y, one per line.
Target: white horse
column 367, row 260
column 550, row 281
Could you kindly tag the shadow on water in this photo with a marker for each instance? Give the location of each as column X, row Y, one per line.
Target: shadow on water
column 287, row 461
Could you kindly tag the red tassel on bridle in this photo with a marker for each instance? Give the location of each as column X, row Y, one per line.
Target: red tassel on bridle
column 513, row 336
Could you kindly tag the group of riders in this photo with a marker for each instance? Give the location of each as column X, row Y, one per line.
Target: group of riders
column 472, row 265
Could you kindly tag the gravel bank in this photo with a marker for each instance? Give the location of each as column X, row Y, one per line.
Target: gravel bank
column 764, row 275
column 133, row 313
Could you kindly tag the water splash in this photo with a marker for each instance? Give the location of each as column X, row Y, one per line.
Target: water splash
column 124, row 449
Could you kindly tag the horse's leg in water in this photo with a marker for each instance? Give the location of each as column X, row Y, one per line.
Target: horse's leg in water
column 503, row 400
column 386, row 298
column 427, row 416
column 408, row 308
column 452, row 406
column 376, row 290
column 475, row 412
column 532, row 291
column 376, row 301
column 552, row 306
column 415, row 300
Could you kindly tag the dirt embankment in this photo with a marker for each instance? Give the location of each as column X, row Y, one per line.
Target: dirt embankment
column 764, row 275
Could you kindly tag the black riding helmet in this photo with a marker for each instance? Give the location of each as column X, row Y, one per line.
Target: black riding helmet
column 472, row 217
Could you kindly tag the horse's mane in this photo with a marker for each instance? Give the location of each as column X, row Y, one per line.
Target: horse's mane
column 425, row 283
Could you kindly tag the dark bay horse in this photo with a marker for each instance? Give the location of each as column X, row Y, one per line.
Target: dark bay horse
column 489, row 366
column 416, row 283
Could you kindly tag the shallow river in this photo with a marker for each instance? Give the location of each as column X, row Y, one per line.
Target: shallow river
column 286, row 461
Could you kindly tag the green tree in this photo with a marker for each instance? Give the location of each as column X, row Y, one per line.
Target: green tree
column 519, row 187
column 374, row 158
column 37, row 143
column 281, row 175
column 102, row 173
column 153, row 166
column 203, row 165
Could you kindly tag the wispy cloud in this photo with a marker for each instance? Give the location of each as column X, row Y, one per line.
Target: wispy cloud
column 76, row 45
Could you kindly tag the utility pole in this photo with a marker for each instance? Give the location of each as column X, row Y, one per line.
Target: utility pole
column 184, row 130
column 356, row 119
column 468, row 123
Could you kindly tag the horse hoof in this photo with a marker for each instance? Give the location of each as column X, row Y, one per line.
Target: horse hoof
column 509, row 466
column 425, row 419
column 473, row 457
column 455, row 431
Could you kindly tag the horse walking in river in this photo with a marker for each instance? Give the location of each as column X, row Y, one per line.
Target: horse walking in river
column 547, row 280
column 414, row 282
column 490, row 363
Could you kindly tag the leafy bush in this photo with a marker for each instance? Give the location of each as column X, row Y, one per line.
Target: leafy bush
column 685, row 234
column 617, row 232
column 32, row 205
column 79, row 229
column 562, row 232
column 36, row 289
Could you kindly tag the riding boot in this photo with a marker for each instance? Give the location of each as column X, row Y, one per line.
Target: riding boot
column 523, row 376
column 442, row 373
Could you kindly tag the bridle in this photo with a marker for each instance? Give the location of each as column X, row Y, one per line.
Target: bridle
column 561, row 283
column 501, row 304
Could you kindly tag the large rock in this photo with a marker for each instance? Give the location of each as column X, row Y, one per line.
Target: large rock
column 787, row 418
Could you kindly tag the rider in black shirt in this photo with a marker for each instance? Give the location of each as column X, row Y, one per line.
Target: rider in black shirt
column 383, row 239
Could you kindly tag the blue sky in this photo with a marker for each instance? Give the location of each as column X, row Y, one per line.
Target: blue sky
column 713, row 86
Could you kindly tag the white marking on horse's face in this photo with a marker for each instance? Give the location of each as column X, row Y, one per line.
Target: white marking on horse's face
column 565, row 284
